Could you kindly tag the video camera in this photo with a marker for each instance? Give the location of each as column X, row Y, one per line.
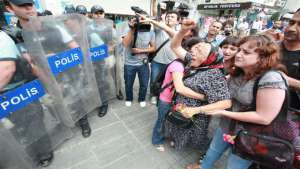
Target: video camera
column 140, row 27
column 183, row 10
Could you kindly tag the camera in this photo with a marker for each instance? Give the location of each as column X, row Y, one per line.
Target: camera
column 140, row 27
column 183, row 10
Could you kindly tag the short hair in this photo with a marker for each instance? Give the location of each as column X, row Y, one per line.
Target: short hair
column 173, row 12
column 298, row 10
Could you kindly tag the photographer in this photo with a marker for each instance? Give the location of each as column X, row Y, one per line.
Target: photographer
column 164, row 31
column 137, row 45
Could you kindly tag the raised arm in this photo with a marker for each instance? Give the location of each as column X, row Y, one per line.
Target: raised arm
column 126, row 41
column 171, row 32
column 186, row 26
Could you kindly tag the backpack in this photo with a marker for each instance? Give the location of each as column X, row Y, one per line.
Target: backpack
column 156, row 85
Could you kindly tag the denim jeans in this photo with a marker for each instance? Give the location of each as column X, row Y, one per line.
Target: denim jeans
column 216, row 149
column 155, row 69
column 157, row 135
column 236, row 162
column 129, row 76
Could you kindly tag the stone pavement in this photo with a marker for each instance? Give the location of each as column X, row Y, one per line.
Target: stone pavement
column 120, row 140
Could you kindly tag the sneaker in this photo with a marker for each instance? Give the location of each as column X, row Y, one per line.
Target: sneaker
column 143, row 104
column 153, row 100
column 160, row 148
column 128, row 103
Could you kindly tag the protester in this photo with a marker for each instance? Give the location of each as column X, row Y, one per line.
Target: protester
column 258, row 56
column 206, row 81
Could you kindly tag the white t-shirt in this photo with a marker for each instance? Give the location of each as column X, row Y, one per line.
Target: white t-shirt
column 8, row 47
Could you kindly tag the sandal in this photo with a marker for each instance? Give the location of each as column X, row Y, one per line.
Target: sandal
column 193, row 166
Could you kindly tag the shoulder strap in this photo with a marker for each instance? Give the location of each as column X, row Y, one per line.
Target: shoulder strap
column 162, row 45
column 135, row 33
column 285, row 106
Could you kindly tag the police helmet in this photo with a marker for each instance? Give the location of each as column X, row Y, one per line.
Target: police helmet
column 81, row 9
column 96, row 8
column 69, row 9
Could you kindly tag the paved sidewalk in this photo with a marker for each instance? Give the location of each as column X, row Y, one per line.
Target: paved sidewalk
column 120, row 140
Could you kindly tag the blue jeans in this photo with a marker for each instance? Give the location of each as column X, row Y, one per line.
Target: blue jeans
column 129, row 76
column 155, row 69
column 236, row 162
column 216, row 149
column 157, row 135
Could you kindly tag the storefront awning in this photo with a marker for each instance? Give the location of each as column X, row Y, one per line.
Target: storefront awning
column 245, row 5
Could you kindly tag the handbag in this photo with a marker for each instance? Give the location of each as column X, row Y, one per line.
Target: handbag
column 180, row 121
column 268, row 145
column 152, row 55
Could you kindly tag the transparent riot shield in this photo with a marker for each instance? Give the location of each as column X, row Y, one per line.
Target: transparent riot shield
column 59, row 46
column 102, row 45
column 28, row 115
column 12, row 155
column 121, row 30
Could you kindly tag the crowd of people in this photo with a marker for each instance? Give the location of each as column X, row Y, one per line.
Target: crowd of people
column 246, row 76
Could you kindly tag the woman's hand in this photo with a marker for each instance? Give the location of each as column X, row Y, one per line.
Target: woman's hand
column 215, row 112
column 187, row 25
column 188, row 112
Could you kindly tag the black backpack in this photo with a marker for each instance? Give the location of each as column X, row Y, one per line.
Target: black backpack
column 156, row 85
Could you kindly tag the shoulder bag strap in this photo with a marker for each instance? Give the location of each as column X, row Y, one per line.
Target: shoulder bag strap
column 159, row 48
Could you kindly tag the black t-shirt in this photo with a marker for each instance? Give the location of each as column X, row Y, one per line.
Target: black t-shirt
column 291, row 60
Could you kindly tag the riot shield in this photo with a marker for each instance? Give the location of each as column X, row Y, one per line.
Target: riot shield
column 28, row 113
column 101, row 51
column 59, row 47
column 121, row 30
column 12, row 155
column 30, row 120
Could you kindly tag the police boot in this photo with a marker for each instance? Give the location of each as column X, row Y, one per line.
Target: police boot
column 103, row 110
column 85, row 127
column 120, row 96
column 46, row 160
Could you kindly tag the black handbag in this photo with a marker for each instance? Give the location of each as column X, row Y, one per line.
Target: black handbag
column 268, row 145
column 180, row 121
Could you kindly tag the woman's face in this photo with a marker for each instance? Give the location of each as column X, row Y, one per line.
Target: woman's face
column 247, row 58
column 200, row 52
column 229, row 51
